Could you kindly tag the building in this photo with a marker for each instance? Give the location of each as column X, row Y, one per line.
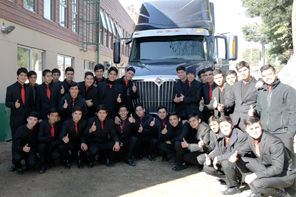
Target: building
column 57, row 34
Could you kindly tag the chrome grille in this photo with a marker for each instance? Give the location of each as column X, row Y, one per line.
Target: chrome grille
column 152, row 96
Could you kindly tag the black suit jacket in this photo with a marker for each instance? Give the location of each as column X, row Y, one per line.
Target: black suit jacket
column 23, row 136
column 44, row 134
column 128, row 129
column 43, row 104
column 206, row 96
column 194, row 136
column 180, row 88
column 13, row 93
column 92, row 93
column 66, row 86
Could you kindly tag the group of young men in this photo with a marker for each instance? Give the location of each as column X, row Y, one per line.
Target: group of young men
column 240, row 131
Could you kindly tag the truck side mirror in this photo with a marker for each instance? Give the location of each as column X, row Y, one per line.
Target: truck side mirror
column 232, row 47
column 116, row 53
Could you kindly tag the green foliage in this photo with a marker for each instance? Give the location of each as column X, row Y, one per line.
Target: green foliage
column 253, row 57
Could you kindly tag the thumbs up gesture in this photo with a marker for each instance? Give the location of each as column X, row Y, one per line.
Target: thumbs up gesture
column 131, row 119
column 184, row 144
column 201, row 143
column 93, row 128
column 89, row 103
column 134, row 88
column 62, row 90
column 65, row 106
column 220, row 107
column 17, row 104
column 165, row 130
column 66, row 139
column 215, row 163
column 181, row 98
column 215, row 104
column 234, row 157
column 202, row 101
column 152, row 123
column 208, row 160
column 140, row 130
column 26, row 148
column 119, row 99
column 176, row 99
column 251, row 111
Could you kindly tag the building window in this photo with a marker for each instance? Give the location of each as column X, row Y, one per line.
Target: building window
column 49, row 9
column 63, row 63
column 106, row 38
column 74, row 16
column 30, row 5
column 89, row 66
column 101, row 32
column 12, row 1
column 32, row 59
column 63, row 13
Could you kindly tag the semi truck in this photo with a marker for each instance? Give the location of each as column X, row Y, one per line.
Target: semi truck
column 170, row 33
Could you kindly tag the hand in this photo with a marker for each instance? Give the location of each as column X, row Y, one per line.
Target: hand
column 251, row 111
column 84, row 147
column 220, row 107
column 215, row 104
column 259, row 85
column 215, row 163
column 121, row 144
column 93, row 128
column 181, row 98
column 134, row 88
column 131, row 119
column 95, row 84
column 17, row 104
column 176, row 99
column 66, row 139
column 201, row 143
column 116, row 147
column 184, row 144
column 140, row 130
column 165, row 130
column 168, row 142
column 208, row 160
column 117, row 120
column 202, row 101
column 26, row 148
column 152, row 123
column 184, row 121
column 40, row 120
column 233, row 158
column 119, row 99
column 89, row 103
column 62, row 90
column 250, row 178
column 65, row 106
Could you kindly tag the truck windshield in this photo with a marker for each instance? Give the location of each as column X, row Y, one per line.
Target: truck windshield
column 170, row 47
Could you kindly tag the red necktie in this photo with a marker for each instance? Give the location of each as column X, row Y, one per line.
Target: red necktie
column 48, row 92
column 86, row 89
column 126, row 82
column 189, row 85
column 73, row 100
column 217, row 135
column 245, row 82
column 123, row 122
column 211, row 91
column 183, row 82
column 227, row 140
column 257, row 148
column 221, row 89
column 76, row 128
column 23, row 94
column 33, row 87
column 269, row 89
column 163, row 123
column 99, row 80
column 102, row 125
column 110, row 85
column 141, row 119
column 69, row 83
column 52, row 130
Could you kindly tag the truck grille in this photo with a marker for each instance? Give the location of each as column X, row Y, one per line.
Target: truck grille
column 152, row 96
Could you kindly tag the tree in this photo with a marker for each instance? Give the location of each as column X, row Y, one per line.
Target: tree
column 252, row 56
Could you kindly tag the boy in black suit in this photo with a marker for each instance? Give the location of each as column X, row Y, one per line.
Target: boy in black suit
column 65, row 85
column 32, row 77
column 99, row 72
column 56, row 74
column 180, row 88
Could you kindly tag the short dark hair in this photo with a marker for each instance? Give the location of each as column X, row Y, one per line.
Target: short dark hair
column 194, row 115
column 131, row 69
column 251, row 120
column 33, row 114
column 229, row 72
column 121, row 106
column 73, row 84
column 32, row 72
column 139, row 105
column 69, row 69
column 55, row 70
column 22, row 70
column 88, row 73
column 217, row 71
column 213, row 119
column 181, row 68
column 162, row 107
column 102, row 107
column 45, row 72
column 208, row 69
column 173, row 114
column 76, row 108
column 225, row 119
column 266, row 67
column 99, row 66
column 52, row 110
column 242, row 64
column 202, row 71
column 114, row 69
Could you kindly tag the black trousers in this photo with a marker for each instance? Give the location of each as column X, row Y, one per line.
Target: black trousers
column 30, row 158
column 151, row 142
column 47, row 151
column 128, row 147
column 167, row 148
column 180, row 152
column 13, row 130
column 195, row 157
column 226, row 170
column 264, row 185
column 76, row 152
column 104, row 148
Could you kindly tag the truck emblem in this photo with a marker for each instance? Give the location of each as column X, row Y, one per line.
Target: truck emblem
column 159, row 81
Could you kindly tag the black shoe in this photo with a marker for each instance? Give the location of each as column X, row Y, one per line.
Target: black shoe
column 31, row 169
column 231, row 191
column 90, row 164
column 178, row 168
column 79, row 164
column 19, row 171
column 129, row 162
column 222, row 181
column 13, row 167
column 165, row 158
column 150, row 158
column 67, row 165
column 52, row 164
column 42, row 169
column 108, row 163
